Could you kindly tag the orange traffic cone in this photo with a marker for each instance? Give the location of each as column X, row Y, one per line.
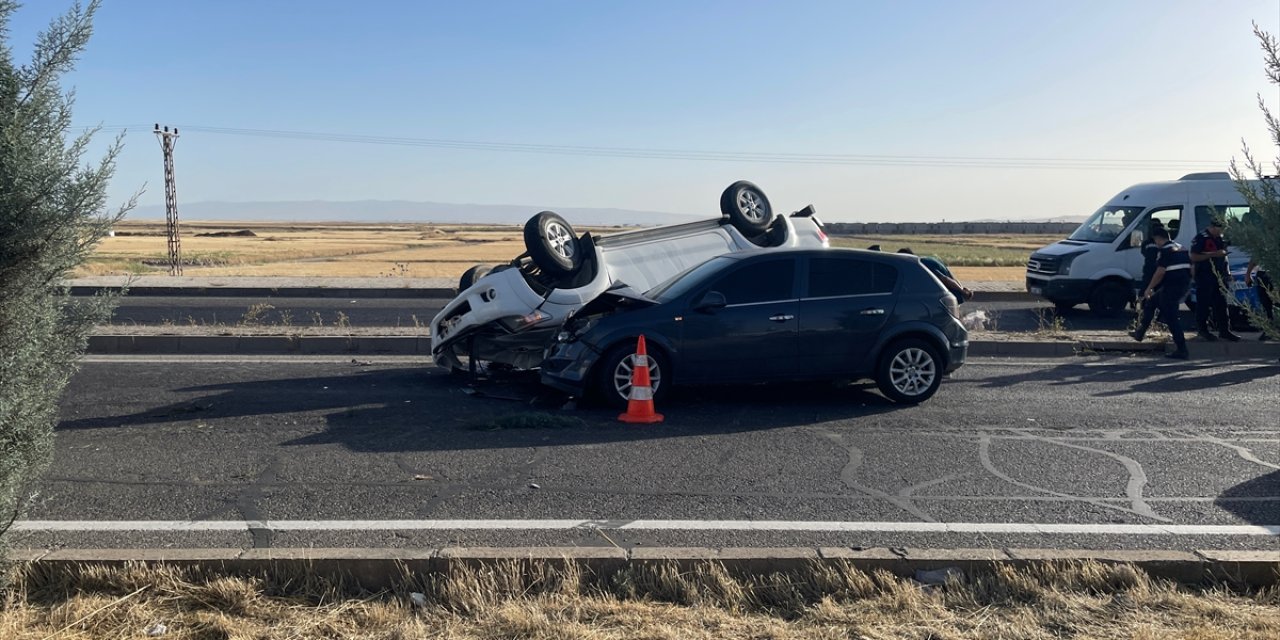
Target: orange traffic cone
column 640, row 400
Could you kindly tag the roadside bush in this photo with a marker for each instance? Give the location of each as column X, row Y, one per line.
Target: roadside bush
column 1260, row 234
column 52, row 212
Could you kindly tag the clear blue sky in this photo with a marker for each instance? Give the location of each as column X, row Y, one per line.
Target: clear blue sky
column 1151, row 81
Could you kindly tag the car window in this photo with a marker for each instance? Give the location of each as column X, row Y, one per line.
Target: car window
column 849, row 277
column 759, row 282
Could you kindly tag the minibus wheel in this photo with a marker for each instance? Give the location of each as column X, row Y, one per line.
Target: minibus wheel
column 1109, row 298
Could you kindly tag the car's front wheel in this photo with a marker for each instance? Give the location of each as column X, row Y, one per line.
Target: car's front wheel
column 614, row 371
column 909, row 371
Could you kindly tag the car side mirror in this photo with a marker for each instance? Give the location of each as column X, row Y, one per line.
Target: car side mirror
column 711, row 301
column 1136, row 238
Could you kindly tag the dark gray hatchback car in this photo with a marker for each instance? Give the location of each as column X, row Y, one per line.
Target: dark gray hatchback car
column 776, row 316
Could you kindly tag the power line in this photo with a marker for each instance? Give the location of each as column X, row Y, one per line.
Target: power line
column 885, row 160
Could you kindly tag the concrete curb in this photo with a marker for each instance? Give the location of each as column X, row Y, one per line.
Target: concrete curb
column 380, row 568
column 421, row 346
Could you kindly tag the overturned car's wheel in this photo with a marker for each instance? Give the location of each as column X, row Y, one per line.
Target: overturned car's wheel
column 909, row 371
column 747, row 207
column 470, row 276
column 552, row 243
column 613, row 374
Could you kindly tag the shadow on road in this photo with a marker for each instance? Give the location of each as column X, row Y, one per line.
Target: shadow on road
column 412, row 409
column 1236, row 500
column 1154, row 375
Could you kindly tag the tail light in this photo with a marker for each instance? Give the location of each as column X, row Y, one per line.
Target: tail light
column 949, row 303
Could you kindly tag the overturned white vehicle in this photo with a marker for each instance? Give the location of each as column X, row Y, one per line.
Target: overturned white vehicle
column 507, row 315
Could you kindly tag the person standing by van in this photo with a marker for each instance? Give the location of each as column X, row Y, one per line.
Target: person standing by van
column 1150, row 254
column 1209, row 255
column 1168, row 288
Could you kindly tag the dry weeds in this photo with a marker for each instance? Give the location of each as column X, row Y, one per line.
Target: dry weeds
column 427, row 251
column 545, row 601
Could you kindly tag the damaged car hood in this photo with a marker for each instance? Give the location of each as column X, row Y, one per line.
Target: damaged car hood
column 617, row 298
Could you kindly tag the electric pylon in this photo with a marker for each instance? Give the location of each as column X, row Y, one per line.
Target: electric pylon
column 167, row 141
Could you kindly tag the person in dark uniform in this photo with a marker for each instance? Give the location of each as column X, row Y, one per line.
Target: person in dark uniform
column 1168, row 288
column 1209, row 255
column 1150, row 252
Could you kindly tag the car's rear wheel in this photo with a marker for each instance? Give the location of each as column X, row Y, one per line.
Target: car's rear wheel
column 747, row 207
column 909, row 371
column 614, row 371
column 552, row 243
column 470, row 276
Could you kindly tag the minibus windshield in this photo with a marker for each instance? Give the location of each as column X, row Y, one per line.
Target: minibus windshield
column 1106, row 225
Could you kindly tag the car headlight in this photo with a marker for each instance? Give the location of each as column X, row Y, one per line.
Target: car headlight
column 1064, row 266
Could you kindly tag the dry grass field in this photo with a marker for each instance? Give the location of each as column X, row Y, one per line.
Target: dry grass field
column 538, row 601
column 425, row 251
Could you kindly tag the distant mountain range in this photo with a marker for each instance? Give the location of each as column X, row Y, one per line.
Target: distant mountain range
column 405, row 211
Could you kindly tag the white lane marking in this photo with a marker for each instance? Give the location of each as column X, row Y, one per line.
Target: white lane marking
column 257, row 359
column 650, row 525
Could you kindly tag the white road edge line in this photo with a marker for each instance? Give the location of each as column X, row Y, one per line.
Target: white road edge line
column 648, row 525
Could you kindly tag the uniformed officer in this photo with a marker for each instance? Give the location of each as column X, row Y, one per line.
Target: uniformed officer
column 1209, row 255
column 1172, row 281
column 1150, row 252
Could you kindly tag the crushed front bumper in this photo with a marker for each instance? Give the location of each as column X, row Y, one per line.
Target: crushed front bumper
column 567, row 367
column 523, row 350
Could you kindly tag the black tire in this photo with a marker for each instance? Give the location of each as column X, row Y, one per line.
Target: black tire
column 612, row 376
column 909, row 371
column 470, row 276
column 1109, row 298
column 552, row 243
column 747, row 207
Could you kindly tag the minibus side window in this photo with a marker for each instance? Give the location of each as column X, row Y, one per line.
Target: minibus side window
column 1168, row 217
column 1232, row 213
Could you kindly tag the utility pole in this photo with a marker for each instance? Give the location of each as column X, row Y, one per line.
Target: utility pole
column 167, row 140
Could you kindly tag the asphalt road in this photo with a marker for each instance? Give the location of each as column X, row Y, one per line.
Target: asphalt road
column 1020, row 316
column 1010, row 444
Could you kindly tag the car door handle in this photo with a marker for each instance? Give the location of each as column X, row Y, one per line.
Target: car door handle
column 782, row 317
column 872, row 312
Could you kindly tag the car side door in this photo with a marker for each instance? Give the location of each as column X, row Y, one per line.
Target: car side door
column 845, row 302
column 752, row 337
